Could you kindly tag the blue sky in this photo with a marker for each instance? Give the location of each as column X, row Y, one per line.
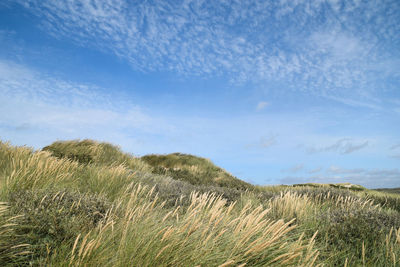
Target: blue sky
column 273, row 91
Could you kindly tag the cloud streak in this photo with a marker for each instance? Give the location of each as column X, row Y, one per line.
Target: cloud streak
column 341, row 146
column 261, row 105
column 263, row 143
column 302, row 44
column 294, row 169
column 396, row 146
column 36, row 107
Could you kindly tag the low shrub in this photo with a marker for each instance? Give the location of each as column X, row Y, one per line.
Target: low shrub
column 49, row 219
column 171, row 190
column 351, row 233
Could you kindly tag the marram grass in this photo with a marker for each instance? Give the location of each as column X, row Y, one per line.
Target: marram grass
column 84, row 203
column 205, row 234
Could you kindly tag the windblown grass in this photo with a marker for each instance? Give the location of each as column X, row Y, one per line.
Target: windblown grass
column 66, row 206
column 205, row 234
column 89, row 151
column 12, row 250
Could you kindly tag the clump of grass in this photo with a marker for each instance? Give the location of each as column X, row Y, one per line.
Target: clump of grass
column 387, row 200
column 289, row 205
column 37, row 170
column 22, row 168
column 392, row 247
column 13, row 251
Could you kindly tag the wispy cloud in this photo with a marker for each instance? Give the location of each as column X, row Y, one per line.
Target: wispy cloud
column 294, row 169
column 32, row 104
column 301, row 44
column 342, row 146
column 339, row 170
column 262, row 105
column 314, row 171
column 395, row 146
column 264, row 142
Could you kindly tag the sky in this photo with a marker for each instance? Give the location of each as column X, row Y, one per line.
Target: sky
column 275, row 92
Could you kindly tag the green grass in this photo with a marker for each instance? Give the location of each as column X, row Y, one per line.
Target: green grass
column 389, row 190
column 89, row 151
column 85, row 203
column 353, row 187
column 195, row 170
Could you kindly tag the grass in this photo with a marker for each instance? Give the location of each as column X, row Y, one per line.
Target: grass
column 89, row 151
column 195, row 170
column 85, row 203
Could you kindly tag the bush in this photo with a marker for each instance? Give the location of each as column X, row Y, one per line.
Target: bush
column 49, row 219
column 171, row 190
column 347, row 231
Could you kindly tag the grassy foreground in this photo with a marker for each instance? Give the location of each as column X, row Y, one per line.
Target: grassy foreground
column 84, row 203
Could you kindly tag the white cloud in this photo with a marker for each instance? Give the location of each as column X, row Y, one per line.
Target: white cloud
column 38, row 109
column 313, row 171
column 257, row 41
column 341, row 146
column 294, row 169
column 339, row 170
column 396, row 156
column 395, row 146
column 264, row 142
column 261, row 105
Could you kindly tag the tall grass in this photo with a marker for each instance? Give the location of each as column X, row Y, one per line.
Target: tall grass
column 12, row 250
column 60, row 209
column 205, row 234
column 89, row 151
column 289, row 205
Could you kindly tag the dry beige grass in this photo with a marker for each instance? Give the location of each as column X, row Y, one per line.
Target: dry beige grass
column 203, row 230
column 291, row 205
column 205, row 233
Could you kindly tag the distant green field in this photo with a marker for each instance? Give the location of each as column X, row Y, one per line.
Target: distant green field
column 350, row 186
column 389, row 190
column 87, row 203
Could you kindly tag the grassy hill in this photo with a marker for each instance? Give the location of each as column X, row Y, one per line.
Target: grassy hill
column 195, row 170
column 92, row 152
column 353, row 187
column 389, row 190
column 87, row 203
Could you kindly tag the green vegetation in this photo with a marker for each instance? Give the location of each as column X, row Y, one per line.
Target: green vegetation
column 89, row 151
column 354, row 187
column 85, row 203
column 195, row 170
column 389, row 190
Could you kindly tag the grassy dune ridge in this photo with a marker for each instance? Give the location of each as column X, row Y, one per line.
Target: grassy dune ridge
column 86, row 203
